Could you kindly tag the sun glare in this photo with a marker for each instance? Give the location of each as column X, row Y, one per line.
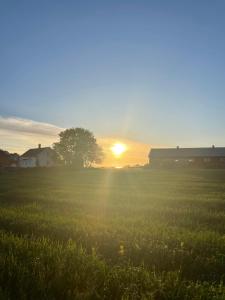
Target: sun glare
column 118, row 149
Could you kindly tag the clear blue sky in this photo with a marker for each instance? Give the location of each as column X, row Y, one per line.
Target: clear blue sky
column 152, row 71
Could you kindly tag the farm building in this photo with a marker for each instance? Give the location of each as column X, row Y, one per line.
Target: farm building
column 7, row 159
column 213, row 157
column 38, row 157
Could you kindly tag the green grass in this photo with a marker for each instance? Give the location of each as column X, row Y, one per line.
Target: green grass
column 103, row 234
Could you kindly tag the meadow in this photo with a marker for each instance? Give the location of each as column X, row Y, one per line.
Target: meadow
column 112, row 234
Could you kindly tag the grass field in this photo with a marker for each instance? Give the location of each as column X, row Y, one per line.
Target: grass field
column 101, row 234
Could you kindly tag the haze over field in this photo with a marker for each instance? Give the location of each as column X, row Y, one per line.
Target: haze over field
column 138, row 73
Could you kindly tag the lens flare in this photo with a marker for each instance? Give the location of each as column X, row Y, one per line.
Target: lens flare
column 118, row 149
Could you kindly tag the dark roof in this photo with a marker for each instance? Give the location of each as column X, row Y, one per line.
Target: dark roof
column 35, row 152
column 187, row 152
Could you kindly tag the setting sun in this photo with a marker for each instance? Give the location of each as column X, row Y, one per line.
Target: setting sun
column 118, row 149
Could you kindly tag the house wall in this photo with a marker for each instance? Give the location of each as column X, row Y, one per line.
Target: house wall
column 45, row 159
column 204, row 162
column 27, row 162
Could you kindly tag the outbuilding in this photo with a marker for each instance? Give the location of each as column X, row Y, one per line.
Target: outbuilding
column 213, row 157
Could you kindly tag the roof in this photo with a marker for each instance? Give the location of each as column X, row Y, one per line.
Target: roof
column 187, row 152
column 35, row 152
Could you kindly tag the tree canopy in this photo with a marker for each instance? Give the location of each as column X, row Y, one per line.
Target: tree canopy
column 78, row 147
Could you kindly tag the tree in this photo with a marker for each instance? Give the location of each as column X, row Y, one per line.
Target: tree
column 78, row 147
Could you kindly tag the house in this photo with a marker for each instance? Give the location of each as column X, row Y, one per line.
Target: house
column 212, row 157
column 38, row 157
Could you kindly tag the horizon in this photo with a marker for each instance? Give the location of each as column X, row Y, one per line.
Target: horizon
column 49, row 132
column 144, row 74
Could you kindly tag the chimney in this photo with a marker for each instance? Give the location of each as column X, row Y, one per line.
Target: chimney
column 39, row 146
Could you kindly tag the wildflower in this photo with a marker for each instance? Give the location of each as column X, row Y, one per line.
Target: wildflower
column 121, row 250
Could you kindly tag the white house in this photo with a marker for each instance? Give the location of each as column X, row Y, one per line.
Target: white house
column 38, row 157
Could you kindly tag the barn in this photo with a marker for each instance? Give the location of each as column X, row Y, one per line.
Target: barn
column 211, row 157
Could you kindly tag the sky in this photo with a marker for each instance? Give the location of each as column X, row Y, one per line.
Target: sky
column 143, row 73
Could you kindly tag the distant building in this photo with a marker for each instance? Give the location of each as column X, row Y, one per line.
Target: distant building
column 213, row 157
column 8, row 160
column 5, row 160
column 14, row 157
column 38, row 157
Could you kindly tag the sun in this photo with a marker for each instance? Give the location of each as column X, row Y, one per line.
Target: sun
column 118, row 149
